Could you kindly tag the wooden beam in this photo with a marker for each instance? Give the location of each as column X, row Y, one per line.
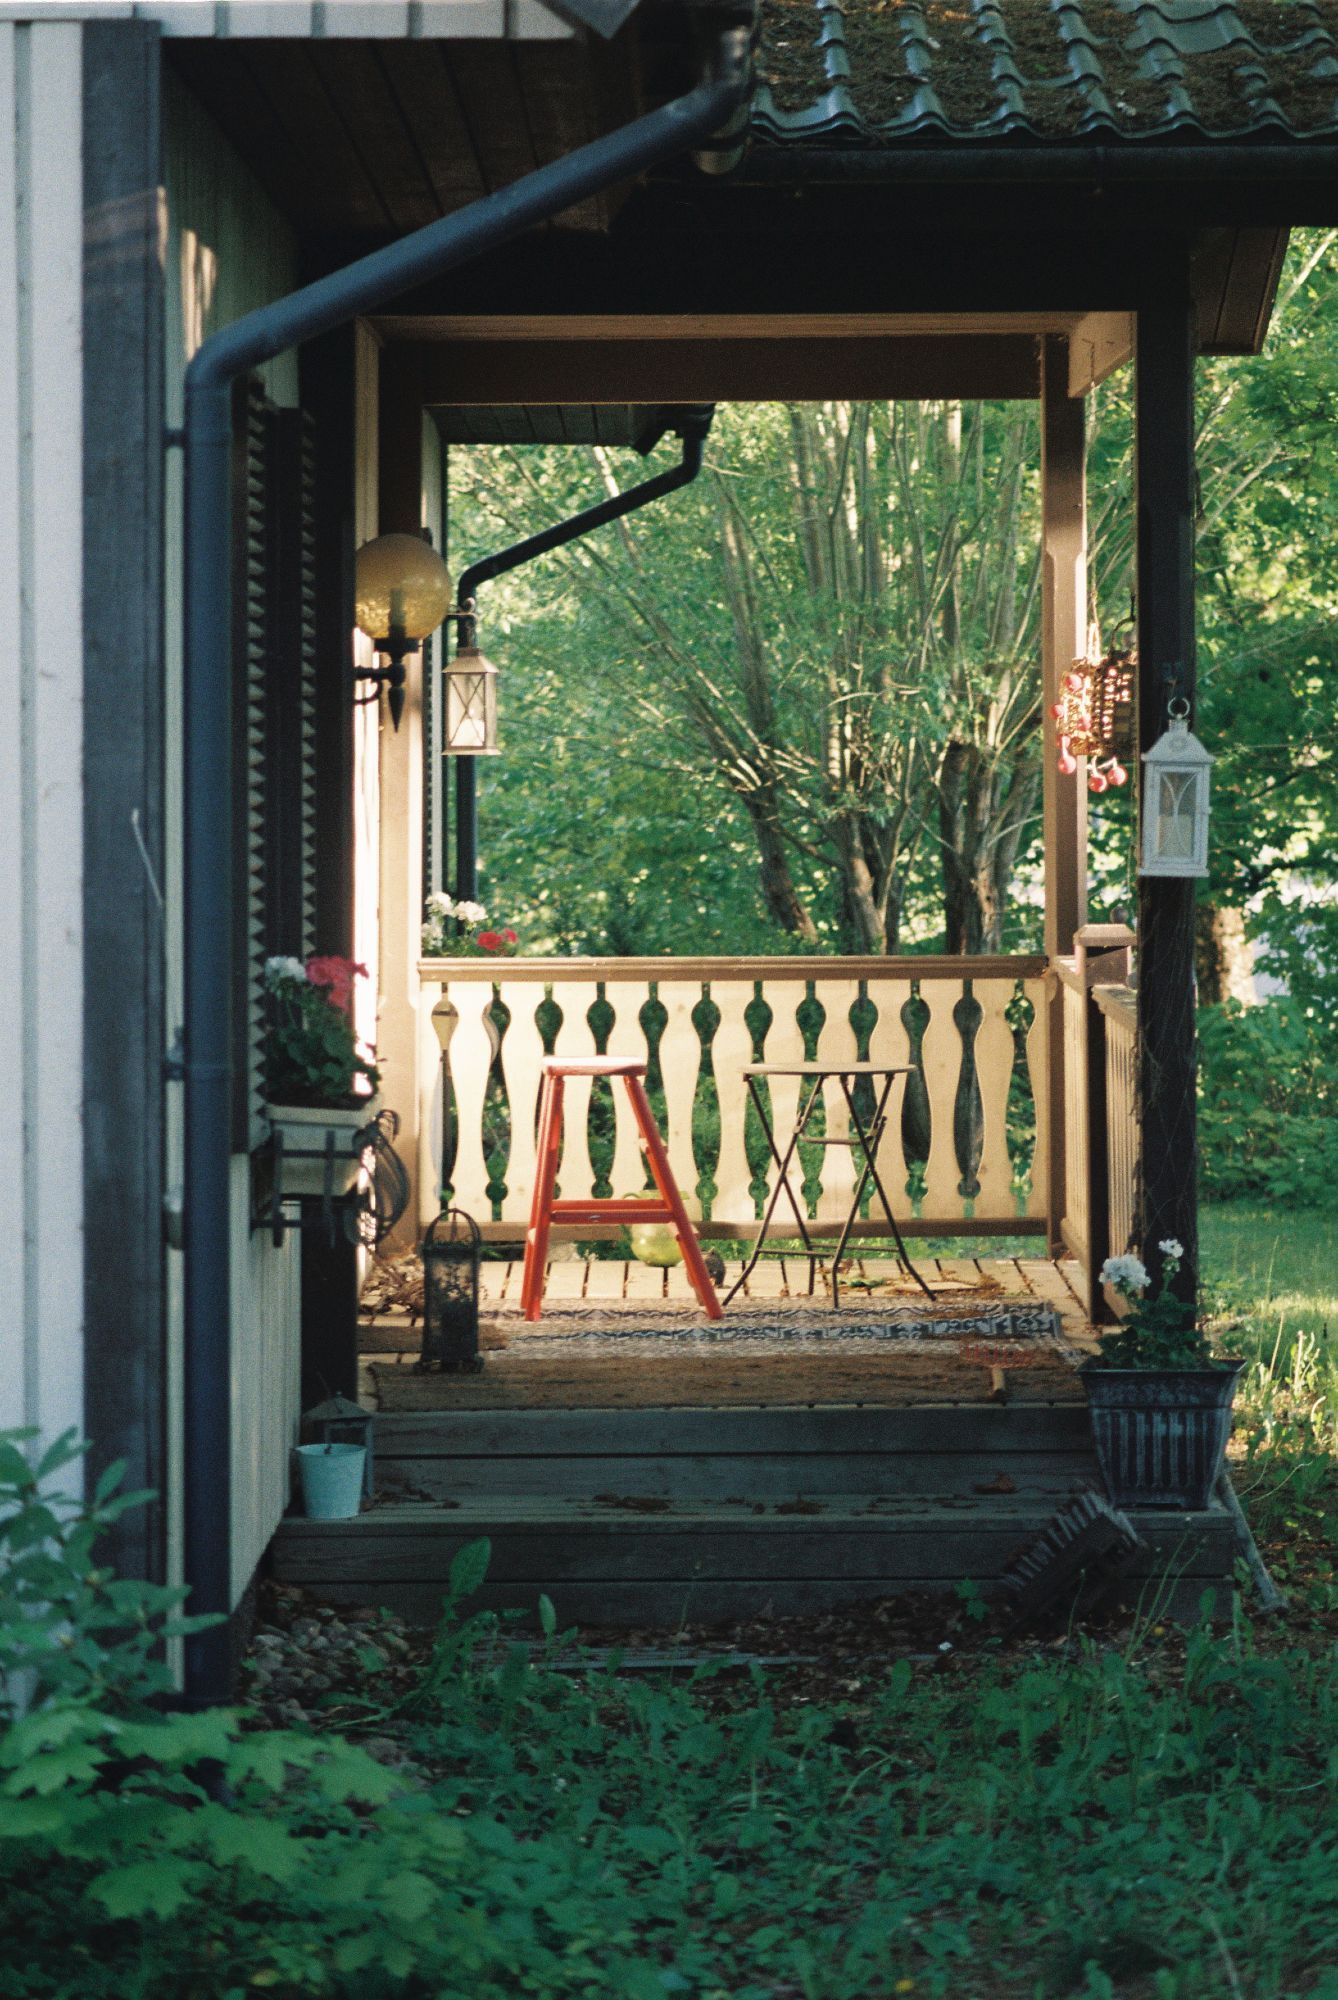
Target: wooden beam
column 776, row 369
column 1098, row 344
column 1063, row 637
column 1164, row 467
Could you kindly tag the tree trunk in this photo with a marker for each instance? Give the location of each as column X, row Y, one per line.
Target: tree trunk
column 1223, row 955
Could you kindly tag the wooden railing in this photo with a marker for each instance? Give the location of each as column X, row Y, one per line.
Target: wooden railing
column 1118, row 1006
column 1100, row 1017
column 965, row 1153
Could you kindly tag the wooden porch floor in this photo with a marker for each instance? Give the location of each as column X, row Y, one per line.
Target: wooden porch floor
column 534, row 1374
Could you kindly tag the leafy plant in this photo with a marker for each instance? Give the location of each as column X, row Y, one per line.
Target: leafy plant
column 72, row 1632
column 1160, row 1330
column 311, row 1054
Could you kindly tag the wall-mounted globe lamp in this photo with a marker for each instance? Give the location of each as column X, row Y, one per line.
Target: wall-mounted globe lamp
column 402, row 591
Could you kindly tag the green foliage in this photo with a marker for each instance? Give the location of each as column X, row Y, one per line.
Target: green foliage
column 311, row 1049
column 71, row 1632
column 1094, row 1822
column 1268, row 1099
column 1159, row 1330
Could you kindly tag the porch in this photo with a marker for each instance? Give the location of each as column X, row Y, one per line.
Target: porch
column 717, row 1483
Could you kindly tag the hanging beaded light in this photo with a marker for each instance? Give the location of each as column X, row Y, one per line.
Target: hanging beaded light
column 1094, row 715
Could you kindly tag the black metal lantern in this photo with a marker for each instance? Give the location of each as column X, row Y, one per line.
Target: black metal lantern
column 339, row 1421
column 451, row 1292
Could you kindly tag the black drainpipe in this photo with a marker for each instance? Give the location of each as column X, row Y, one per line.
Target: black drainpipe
column 691, row 424
column 361, row 287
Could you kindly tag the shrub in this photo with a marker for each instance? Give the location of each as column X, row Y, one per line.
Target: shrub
column 1268, row 1103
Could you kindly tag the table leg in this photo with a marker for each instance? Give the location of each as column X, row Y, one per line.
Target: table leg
column 868, row 1144
column 782, row 1181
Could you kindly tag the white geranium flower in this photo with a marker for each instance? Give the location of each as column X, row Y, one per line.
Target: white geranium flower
column 284, row 972
column 1170, row 1248
column 1126, row 1274
column 441, row 906
column 471, row 913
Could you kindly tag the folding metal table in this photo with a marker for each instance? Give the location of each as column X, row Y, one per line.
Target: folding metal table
column 863, row 1141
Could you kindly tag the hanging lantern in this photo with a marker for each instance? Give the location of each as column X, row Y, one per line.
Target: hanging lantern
column 451, row 1293
column 470, row 685
column 1175, row 800
column 1094, row 714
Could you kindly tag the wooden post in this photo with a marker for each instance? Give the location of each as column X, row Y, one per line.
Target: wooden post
column 1063, row 637
column 400, row 511
column 1164, row 465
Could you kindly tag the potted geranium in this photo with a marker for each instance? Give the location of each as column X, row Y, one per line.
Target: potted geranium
column 1160, row 1399
column 316, row 1081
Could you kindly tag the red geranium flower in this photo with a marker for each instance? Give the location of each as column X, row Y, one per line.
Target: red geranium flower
column 510, row 937
column 335, row 976
column 489, row 940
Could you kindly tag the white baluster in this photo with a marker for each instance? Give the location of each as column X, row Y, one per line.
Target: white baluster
column 837, row 1043
column 576, row 1176
column 889, row 1043
column 994, row 1071
column 522, row 1055
column 471, row 1051
column 941, row 1053
column 731, row 1052
column 627, row 1037
column 680, row 1062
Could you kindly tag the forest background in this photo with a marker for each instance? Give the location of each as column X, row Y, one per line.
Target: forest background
column 796, row 707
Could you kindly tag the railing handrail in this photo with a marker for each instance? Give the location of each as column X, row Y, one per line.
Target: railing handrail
column 1119, row 1004
column 1024, row 965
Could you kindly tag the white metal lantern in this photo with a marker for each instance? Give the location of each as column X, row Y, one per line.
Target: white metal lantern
column 1175, row 800
column 470, row 686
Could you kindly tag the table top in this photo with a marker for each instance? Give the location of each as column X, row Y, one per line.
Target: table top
column 828, row 1069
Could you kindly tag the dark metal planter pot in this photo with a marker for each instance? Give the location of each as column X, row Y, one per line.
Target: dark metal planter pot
column 1160, row 1436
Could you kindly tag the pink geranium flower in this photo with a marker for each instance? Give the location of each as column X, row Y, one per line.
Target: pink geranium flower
column 335, row 976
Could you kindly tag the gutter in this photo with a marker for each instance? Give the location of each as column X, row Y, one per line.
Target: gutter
column 798, row 162
column 361, row 287
column 691, row 425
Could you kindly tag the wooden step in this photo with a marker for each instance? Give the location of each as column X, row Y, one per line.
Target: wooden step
column 708, row 1561
column 735, row 1453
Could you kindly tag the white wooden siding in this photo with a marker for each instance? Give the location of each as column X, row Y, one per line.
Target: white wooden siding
column 227, row 252
column 314, row 20
column 41, row 739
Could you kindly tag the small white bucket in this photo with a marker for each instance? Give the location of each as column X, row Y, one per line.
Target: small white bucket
column 331, row 1480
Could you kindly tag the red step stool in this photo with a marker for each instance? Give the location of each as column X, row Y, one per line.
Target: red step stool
column 546, row 1210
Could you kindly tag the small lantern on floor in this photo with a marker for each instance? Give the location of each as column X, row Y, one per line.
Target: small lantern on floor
column 470, row 685
column 1175, row 800
column 451, row 1293
column 338, row 1421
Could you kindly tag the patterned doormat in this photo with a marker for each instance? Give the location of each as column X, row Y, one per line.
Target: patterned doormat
column 631, row 1327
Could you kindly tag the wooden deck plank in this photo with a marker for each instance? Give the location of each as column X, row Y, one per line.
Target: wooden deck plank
column 642, row 1281
column 604, row 1278
column 493, row 1279
column 766, row 1280
column 534, row 1541
column 984, row 1429
column 755, row 1477
column 565, row 1279
column 1046, row 1281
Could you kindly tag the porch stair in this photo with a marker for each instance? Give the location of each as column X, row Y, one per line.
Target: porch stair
column 656, row 1517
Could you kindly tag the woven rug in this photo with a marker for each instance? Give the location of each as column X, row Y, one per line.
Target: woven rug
column 633, row 1327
